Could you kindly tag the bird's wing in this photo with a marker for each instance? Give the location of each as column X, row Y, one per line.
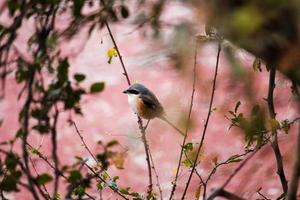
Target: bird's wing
column 152, row 102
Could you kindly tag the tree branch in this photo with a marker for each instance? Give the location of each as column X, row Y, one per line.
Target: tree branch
column 206, row 122
column 140, row 122
column 44, row 158
column 275, row 146
column 187, row 124
column 156, row 175
column 54, row 150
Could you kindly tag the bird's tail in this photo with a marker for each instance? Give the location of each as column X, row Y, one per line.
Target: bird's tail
column 164, row 118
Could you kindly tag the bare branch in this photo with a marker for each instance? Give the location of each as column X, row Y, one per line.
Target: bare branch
column 146, row 146
column 206, row 122
column 54, row 150
column 239, row 168
column 44, row 158
column 187, row 124
column 140, row 122
column 260, row 194
column 84, row 144
column 156, row 175
column 275, row 146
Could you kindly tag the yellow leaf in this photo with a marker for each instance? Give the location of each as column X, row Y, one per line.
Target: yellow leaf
column 111, row 52
column 274, row 124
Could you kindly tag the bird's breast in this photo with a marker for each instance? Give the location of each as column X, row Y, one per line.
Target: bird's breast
column 132, row 100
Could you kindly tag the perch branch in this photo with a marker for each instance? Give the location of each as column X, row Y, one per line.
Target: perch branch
column 142, row 129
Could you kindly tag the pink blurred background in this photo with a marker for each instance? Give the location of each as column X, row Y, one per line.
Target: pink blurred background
column 107, row 116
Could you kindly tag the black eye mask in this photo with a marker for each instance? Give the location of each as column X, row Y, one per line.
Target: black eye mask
column 131, row 91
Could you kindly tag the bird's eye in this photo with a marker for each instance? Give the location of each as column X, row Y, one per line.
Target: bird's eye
column 132, row 91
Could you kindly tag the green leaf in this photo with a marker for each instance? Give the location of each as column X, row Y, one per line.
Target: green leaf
column 79, row 77
column 97, row 87
column 13, row 5
column 11, row 161
column 51, row 41
column 112, row 143
column 115, row 178
column 187, row 163
column 41, row 128
column 9, row 182
column 79, row 191
column 102, row 158
column 78, row 5
column 74, row 176
column 124, row 190
column 188, row 147
column 104, row 175
column 62, row 71
column 20, row 133
column 99, row 185
column 34, row 150
column 43, row 179
column 21, row 75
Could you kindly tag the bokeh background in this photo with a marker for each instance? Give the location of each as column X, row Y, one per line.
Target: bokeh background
column 163, row 63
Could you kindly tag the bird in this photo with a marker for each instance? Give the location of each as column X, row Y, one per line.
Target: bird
column 146, row 105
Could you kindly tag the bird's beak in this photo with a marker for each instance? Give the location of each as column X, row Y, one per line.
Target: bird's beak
column 125, row 91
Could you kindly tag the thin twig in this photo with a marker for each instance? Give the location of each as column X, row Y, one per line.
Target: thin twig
column 260, row 194
column 187, row 124
column 229, row 160
column 44, row 158
column 84, row 144
column 25, row 127
column 44, row 193
column 118, row 51
column 54, row 150
column 98, row 176
column 155, row 172
column 144, row 139
column 206, row 122
column 239, row 168
column 275, row 146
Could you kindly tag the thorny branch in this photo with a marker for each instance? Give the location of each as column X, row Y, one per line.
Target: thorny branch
column 187, row 124
column 206, row 122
